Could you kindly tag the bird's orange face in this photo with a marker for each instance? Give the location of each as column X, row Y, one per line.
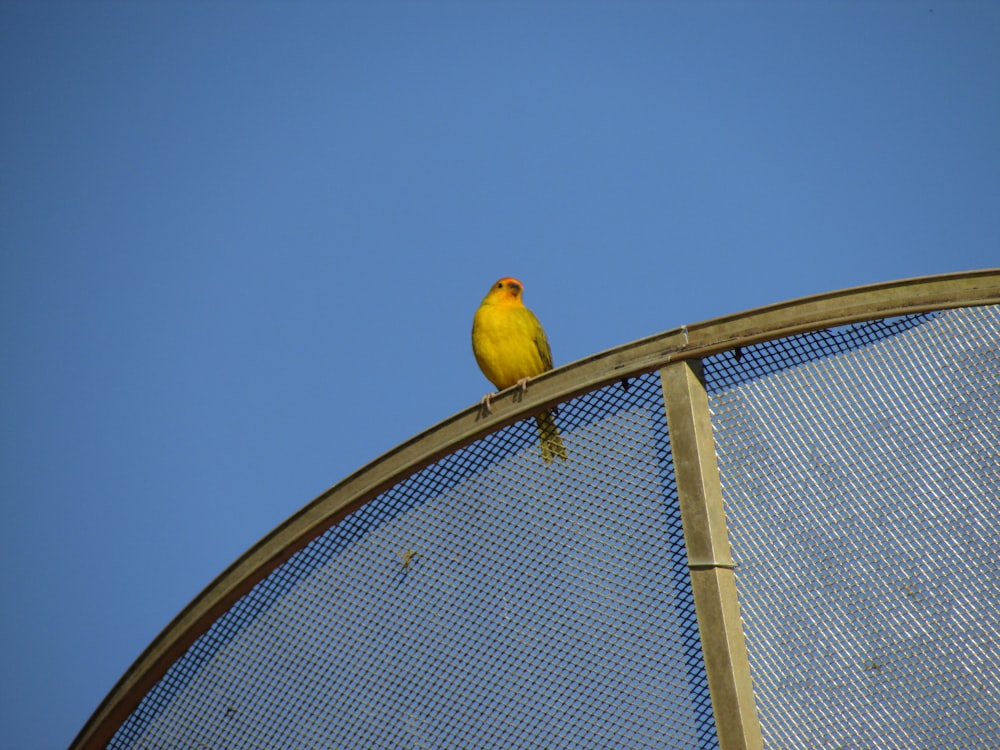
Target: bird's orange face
column 507, row 289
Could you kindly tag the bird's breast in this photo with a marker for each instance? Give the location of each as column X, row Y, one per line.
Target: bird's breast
column 504, row 342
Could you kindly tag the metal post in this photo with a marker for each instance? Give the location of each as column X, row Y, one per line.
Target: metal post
column 712, row 578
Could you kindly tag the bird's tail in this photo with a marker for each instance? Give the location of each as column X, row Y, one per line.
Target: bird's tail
column 551, row 444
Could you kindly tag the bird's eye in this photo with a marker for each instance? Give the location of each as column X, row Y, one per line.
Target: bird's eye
column 500, row 285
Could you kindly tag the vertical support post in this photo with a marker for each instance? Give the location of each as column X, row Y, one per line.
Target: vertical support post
column 709, row 560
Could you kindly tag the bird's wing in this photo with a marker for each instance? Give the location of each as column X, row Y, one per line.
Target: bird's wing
column 542, row 343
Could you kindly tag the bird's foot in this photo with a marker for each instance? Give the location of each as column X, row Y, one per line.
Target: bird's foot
column 522, row 388
column 486, row 404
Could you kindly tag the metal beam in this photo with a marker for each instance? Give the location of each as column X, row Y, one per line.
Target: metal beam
column 712, row 577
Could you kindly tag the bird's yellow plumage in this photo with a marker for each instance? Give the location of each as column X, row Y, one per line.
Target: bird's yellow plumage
column 510, row 347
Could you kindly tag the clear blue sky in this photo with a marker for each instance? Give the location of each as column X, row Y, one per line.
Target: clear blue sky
column 242, row 243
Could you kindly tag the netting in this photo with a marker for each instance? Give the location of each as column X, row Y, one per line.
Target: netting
column 861, row 476
column 490, row 600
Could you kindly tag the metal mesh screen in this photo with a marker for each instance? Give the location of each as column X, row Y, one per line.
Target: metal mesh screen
column 489, row 600
column 861, row 477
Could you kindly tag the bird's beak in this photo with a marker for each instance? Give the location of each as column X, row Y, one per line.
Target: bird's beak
column 514, row 287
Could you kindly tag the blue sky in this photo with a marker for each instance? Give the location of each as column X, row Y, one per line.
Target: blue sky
column 242, row 244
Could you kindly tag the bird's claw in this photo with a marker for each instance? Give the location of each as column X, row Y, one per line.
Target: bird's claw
column 522, row 388
column 486, row 404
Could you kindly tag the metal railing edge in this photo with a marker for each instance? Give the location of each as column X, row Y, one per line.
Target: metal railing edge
column 694, row 341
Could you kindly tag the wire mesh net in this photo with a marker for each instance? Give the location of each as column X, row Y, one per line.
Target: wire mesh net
column 490, row 600
column 860, row 470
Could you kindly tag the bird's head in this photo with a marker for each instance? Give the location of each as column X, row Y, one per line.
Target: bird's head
column 506, row 290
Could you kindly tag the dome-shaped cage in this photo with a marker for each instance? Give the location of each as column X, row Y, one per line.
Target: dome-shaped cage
column 779, row 526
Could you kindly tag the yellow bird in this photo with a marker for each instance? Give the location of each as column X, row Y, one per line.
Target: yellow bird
column 511, row 348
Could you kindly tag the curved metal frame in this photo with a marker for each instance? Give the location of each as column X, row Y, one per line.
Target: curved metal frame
column 690, row 342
